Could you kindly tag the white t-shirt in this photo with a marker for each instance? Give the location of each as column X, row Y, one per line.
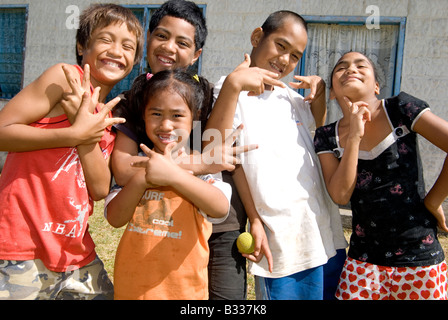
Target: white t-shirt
column 302, row 225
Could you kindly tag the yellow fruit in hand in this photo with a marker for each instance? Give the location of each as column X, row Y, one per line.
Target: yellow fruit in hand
column 245, row 243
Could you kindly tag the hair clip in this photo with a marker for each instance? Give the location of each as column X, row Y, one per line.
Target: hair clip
column 196, row 77
column 149, row 76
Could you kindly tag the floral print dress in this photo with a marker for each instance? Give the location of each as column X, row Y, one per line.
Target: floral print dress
column 391, row 226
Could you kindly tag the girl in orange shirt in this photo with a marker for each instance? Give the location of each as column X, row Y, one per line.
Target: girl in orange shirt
column 163, row 253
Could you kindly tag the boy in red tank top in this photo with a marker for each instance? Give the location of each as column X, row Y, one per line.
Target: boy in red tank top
column 58, row 163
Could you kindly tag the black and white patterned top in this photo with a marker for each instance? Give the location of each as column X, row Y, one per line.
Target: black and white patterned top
column 391, row 226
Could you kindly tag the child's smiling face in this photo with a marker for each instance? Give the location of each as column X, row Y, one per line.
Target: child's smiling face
column 352, row 74
column 172, row 45
column 281, row 50
column 167, row 119
column 110, row 53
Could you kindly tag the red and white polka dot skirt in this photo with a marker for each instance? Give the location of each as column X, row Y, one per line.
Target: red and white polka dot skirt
column 365, row 281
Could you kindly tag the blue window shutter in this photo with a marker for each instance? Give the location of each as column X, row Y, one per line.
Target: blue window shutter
column 12, row 43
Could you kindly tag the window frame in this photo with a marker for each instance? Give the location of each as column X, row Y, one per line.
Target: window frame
column 361, row 20
column 26, row 8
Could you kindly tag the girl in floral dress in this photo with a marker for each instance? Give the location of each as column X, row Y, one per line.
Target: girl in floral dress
column 369, row 157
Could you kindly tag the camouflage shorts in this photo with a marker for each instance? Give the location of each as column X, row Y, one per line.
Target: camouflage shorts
column 31, row 280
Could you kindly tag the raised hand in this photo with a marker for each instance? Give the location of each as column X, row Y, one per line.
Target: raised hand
column 158, row 167
column 224, row 155
column 314, row 83
column 72, row 100
column 359, row 115
column 261, row 245
column 253, row 79
column 89, row 127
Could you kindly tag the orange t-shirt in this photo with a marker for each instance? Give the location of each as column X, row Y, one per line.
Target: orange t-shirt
column 163, row 254
column 45, row 204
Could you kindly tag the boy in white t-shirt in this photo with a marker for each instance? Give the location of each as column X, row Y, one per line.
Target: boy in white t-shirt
column 297, row 228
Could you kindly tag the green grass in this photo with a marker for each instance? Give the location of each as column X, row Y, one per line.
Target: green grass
column 105, row 236
column 107, row 239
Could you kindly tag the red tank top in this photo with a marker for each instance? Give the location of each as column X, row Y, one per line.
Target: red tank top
column 45, row 204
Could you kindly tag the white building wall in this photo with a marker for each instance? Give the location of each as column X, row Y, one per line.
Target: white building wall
column 230, row 22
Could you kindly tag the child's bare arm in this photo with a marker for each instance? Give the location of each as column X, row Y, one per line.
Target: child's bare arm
column 316, row 98
column 79, row 106
column 340, row 176
column 37, row 100
column 121, row 208
column 161, row 170
column 96, row 170
column 435, row 130
column 215, row 158
column 209, row 199
column 256, row 224
column 95, row 167
column 125, row 152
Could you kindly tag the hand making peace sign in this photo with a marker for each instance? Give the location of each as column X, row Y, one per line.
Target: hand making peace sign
column 79, row 106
